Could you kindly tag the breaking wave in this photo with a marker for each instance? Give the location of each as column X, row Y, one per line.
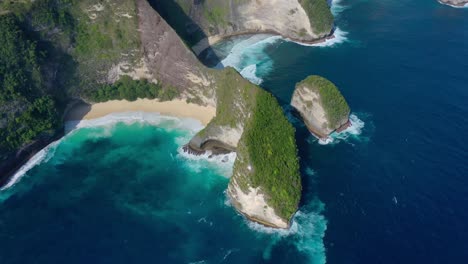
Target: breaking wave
column 305, row 234
column 352, row 132
column 42, row 156
column 337, row 7
column 167, row 122
column 222, row 164
column 339, row 36
column 250, row 72
column 248, row 56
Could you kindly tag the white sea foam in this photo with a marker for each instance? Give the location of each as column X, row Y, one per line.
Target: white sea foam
column 198, row 262
column 223, row 164
column 229, row 252
column 354, row 132
column 249, row 73
column 337, row 7
column 309, row 171
column 168, row 122
column 248, row 57
column 306, row 232
column 156, row 119
column 339, row 36
column 42, row 156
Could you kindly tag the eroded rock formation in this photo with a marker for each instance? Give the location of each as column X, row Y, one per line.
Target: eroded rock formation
column 203, row 23
column 456, row 3
column 321, row 106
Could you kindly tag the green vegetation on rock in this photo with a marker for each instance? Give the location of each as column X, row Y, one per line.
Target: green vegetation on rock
column 232, row 87
column 128, row 89
column 273, row 153
column 40, row 117
column 319, row 14
column 332, row 100
column 52, row 50
column 267, row 143
column 26, row 109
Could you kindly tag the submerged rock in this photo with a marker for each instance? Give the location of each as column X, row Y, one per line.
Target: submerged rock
column 321, row 106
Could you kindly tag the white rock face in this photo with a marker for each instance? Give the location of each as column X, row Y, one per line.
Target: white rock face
column 253, row 205
column 454, row 2
column 284, row 17
column 277, row 15
column 307, row 103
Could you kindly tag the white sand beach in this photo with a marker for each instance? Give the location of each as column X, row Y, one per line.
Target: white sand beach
column 178, row 108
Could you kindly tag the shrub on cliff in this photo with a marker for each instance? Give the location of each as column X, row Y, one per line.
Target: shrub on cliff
column 23, row 100
column 319, row 15
column 128, row 89
column 273, row 152
column 332, row 100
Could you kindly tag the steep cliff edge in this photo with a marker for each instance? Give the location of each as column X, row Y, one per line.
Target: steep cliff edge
column 266, row 183
column 456, row 3
column 321, row 106
column 106, row 41
column 202, row 23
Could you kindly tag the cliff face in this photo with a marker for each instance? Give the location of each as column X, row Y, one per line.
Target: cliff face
column 57, row 51
column 265, row 185
column 321, row 106
column 168, row 59
column 242, row 110
column 206, row 22
column 455, row 2
column 250, row 122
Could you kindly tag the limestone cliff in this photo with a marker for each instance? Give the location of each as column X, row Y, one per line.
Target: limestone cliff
column 456, row 3
column 321, row 106
column 202, row 23
column 265, row 185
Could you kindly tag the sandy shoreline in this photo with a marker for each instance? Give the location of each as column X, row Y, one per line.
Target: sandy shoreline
column 178, row 108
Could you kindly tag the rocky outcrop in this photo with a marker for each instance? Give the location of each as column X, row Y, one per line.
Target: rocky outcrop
column 266, row 184
column 207, row 22
column 456, row 3
column 321, row 106
column 169, row 60
column 253, row 188
column 238, row 103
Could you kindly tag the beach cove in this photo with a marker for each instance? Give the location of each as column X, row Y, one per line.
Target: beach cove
column 177, row 108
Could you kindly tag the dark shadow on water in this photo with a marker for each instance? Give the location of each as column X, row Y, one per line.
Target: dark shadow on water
column 191, row 33
column 76, row 111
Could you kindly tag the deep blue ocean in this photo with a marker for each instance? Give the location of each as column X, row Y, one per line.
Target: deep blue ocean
column 392, row 189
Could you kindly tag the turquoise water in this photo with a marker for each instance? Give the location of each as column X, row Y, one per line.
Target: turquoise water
column 392, row 189
column 117, row 190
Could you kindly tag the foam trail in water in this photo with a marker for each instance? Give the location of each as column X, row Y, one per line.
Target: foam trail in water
column 249, row 57
column 339, row 36
column 223, row 164
column 249, row 73
column 168, row 122
column 337, row 7
column 43, row 155
column 354, row 131
column 306, row 232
